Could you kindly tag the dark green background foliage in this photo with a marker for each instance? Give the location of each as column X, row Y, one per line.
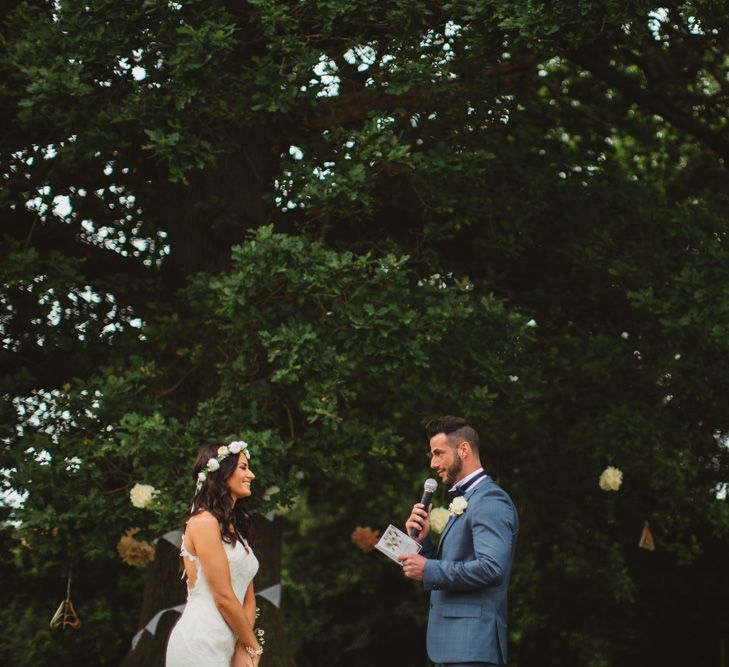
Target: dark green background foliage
column 316, row 225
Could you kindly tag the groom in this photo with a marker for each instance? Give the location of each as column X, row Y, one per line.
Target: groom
column 468, row 573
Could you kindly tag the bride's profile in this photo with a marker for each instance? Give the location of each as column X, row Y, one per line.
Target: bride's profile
column 216, row 626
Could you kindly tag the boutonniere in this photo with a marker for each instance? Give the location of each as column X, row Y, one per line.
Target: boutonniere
column 458, row 506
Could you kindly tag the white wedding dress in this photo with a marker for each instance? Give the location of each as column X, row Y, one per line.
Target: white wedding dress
column 201, row 637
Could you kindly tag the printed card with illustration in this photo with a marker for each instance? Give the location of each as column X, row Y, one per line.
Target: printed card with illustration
column 394, row 543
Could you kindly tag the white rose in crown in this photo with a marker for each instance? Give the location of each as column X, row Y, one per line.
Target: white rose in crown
column 458, row 506
column 213, row 465
column 238, row 446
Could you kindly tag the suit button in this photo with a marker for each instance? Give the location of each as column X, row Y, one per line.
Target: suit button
column 431, row 605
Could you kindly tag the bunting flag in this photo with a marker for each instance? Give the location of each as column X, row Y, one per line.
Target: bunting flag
column 272, row 594
column 151, row 627
column 174, row 537
column 65, row 616
column 646, row 539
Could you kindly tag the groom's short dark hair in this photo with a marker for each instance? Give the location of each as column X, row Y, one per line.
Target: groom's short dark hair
column 455, row 428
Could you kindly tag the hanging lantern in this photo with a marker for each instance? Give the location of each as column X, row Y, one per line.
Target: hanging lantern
column 646, row 539
column 65, row 616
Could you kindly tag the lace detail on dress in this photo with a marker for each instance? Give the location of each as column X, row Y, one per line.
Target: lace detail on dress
column 184, row 552
column 195, row 559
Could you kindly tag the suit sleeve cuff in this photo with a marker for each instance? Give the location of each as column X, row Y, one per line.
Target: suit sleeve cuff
column 432, row 575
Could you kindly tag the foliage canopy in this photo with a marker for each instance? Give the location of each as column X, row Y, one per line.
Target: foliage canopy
column 315, row 225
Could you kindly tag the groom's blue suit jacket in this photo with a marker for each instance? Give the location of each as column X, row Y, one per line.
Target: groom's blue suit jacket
column 468, row 576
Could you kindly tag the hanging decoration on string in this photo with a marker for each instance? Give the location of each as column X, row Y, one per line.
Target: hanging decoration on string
column 65, row 616
column 646, row 539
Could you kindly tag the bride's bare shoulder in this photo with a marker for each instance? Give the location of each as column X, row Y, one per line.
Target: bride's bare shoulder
column 202, row 521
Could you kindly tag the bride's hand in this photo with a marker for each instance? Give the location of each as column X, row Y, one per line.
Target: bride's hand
column 241, row 658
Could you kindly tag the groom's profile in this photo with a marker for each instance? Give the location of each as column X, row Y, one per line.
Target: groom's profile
column 468, row 572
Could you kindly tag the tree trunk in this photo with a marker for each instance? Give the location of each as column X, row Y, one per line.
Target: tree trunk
column 276, row 651
column 203, row 219
column 211, row 213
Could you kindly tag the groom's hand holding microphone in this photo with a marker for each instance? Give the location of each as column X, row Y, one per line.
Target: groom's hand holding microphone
column 418, row 527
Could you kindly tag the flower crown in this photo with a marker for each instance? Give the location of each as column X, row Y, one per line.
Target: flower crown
column 235, row 447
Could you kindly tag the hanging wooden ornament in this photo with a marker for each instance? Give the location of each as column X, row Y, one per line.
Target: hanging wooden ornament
column 65, row 616
column 646, row 539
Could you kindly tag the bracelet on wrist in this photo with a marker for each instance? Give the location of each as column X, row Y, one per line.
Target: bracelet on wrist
column 253, row 652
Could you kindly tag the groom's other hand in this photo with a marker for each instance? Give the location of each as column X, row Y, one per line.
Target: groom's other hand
column 419, row 520
column 413, row 566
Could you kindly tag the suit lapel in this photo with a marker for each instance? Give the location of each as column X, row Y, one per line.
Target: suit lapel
column 452, row 520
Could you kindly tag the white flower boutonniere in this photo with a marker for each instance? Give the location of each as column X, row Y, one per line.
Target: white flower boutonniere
column 458, row 506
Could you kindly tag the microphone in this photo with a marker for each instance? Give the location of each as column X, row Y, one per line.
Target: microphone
column 429, row 487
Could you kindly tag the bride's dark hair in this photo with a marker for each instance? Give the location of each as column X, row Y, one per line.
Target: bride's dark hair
column 214, row 496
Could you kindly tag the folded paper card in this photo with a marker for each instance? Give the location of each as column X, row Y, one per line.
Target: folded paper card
column 394, row 543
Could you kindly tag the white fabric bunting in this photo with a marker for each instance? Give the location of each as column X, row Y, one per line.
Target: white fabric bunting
column 272, row 594
column 151, row 627
column 174, row 537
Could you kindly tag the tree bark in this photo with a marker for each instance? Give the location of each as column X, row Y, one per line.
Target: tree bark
column 207, row 216
column 268, row 549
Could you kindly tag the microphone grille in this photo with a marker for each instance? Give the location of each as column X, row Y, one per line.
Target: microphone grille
column 430, row 485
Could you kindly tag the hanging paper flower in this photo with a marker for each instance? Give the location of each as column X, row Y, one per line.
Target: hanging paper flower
column 141, row 495
column 438, row 519
column 365, row 538
column 137, row 553
column 611, row 479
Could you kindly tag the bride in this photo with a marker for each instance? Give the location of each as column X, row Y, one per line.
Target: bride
column 216, row 627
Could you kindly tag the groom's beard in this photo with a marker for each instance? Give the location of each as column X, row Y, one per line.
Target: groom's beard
column 453, row 472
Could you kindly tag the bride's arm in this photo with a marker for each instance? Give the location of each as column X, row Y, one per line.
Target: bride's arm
column 209, row 547
column 241, row 658
column 249, row 605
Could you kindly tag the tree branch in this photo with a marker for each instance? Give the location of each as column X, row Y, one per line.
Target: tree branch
column 96, row 264
column 632, row 91
column 349, row 110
